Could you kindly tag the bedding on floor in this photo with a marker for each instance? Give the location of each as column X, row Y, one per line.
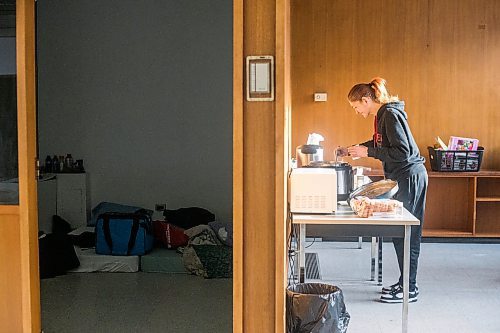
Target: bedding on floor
column 205, row 255
column 163, row 261
column 90, row 261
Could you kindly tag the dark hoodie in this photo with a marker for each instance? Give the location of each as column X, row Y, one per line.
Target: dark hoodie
column 398, row 150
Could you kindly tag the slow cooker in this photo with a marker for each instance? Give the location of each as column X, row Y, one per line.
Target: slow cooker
column 345, row 177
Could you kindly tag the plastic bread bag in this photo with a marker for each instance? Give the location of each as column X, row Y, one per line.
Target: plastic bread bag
column 365, row 207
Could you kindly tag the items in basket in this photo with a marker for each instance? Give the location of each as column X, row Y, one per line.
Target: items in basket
column 365, row 207
column 460, row 161
column 455, row 160
column 459, row 143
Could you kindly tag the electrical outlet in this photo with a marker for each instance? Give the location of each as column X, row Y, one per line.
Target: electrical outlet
column 320, row 97
column 160, row 207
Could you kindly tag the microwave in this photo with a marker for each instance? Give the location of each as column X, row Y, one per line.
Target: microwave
column 313, row 190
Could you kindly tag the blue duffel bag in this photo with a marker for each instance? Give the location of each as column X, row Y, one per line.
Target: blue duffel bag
column 124, row 234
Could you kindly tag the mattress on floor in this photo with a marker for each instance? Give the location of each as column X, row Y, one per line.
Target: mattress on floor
column 162, row 260
column 93, row 262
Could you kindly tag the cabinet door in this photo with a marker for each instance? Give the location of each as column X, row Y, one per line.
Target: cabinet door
column 47, row 204
column 72, row 198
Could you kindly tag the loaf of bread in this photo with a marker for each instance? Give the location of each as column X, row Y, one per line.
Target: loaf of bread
column 365, row 207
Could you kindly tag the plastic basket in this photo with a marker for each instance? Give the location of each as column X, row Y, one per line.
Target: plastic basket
column 456, row 160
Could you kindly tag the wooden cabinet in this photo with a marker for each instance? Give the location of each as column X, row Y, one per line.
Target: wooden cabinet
column 461, row 204
column 487, row 204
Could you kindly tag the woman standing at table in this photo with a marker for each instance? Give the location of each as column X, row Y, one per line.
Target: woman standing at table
column 394, row 145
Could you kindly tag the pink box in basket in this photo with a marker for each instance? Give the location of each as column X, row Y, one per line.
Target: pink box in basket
column 458, row 143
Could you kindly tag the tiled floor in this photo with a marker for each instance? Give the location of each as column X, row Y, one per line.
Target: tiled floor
column 135, row 302
column 459, row 293
column 459, row 287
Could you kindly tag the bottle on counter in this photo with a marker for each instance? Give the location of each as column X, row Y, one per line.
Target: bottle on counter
column 68, row 161
column 61, row 163
column 79, row 166
column 48, row 164
column 55, row 164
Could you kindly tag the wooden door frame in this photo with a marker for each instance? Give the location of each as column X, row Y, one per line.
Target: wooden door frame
column 237, row 166
column 282, row 128
column 26, row 123
column 283, row 141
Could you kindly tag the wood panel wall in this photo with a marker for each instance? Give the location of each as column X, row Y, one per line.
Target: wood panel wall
column 442, row 57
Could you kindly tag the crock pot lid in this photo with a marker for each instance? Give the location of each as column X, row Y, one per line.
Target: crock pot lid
column 309, row 149
column 333, row 165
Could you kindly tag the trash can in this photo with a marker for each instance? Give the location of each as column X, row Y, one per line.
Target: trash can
column 315, row 308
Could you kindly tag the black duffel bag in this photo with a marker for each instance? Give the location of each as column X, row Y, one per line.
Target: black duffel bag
column 189, row 217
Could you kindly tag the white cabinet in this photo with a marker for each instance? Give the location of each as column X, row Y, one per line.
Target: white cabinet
column 47, row 201
column 72, row 198
column 66, row 196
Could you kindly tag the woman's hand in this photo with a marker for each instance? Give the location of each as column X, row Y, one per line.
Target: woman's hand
column 341, row 152
column 358, row 151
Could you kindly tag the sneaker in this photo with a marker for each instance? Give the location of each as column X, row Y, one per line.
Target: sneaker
column 391, row 288
column 396, row 296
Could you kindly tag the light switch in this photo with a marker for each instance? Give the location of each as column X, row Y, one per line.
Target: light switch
column 260, row 78
column 320, row 97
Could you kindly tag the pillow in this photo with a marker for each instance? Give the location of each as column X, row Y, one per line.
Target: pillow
column 202, row 235
column 107, row 207
column 224, row 232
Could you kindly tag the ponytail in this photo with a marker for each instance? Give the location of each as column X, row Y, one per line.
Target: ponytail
column 376, row 90
column 381, row 93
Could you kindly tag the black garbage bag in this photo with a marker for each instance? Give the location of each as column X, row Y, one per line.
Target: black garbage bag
column 315, row 308
column 188, row 217
column 56, row 255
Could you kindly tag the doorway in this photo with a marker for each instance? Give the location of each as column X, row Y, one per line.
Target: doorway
column 140, row 92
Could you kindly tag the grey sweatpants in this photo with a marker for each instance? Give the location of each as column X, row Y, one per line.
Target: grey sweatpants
column 412, row 193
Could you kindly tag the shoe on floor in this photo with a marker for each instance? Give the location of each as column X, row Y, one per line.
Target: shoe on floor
column 391, row 288
column 396, row 296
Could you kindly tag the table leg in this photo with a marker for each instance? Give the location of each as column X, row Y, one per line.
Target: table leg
column 302, row 253
column 380, row 243
column 374, row 250
column 360, row 242
column 406, row 277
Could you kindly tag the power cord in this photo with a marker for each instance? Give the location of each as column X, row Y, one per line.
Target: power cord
column 291, row 251
column 314, row 241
